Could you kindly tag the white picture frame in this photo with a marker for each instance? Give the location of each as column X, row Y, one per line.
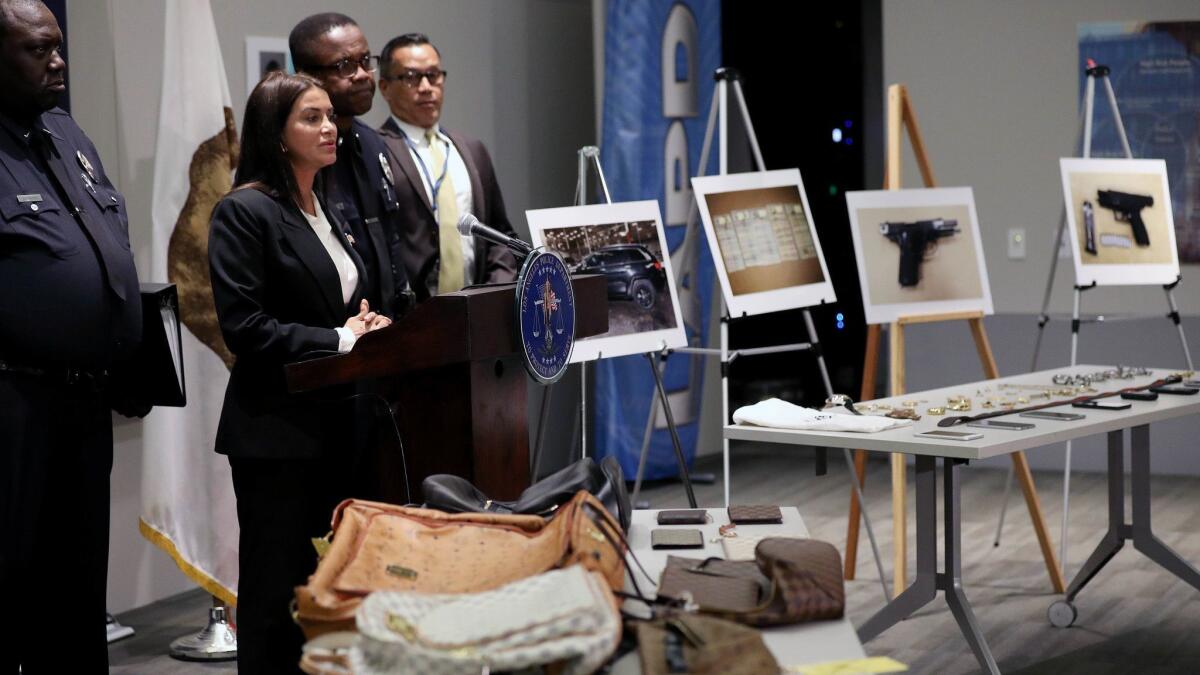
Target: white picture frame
column 952, row 279
column 580, row 232
column 261, row 51
column 1115, row 258
column 764, row 246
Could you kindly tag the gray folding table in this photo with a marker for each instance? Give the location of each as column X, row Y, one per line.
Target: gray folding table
column 995, row 442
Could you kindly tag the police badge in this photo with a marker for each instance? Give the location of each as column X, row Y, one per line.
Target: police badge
column 545, row 316
column 387, row 169
column 86, row 165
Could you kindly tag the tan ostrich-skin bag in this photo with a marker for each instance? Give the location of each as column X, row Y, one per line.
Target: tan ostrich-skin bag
column 380, row 546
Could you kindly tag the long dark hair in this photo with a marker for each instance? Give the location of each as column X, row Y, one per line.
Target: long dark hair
column 263, row 164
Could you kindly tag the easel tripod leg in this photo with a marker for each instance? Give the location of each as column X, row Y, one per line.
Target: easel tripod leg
column 899, row 523
column 870, row 368
column 1034, row 505
column 857, row 489
column 859, row 472
column 678, row 447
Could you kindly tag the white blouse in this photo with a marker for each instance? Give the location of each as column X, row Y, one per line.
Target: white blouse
column 347, row 272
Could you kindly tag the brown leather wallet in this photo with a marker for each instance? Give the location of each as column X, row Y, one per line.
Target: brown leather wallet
column 689, row 538
column 752, row 514
column 683, row 517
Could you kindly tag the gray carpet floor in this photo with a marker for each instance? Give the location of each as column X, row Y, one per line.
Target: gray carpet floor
column 1133, row 618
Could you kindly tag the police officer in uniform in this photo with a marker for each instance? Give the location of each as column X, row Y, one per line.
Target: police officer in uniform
column 331, row 47
column 70, row 311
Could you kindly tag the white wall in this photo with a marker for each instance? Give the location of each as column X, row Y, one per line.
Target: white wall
column 520, row 79
column 995, row 86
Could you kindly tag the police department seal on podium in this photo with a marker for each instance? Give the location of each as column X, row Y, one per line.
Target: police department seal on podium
column 545, row 315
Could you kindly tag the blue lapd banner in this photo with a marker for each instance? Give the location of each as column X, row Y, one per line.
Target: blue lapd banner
column 659, row 56
column 1155, row 71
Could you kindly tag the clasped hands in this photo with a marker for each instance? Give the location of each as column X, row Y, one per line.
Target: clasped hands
column 366, row 320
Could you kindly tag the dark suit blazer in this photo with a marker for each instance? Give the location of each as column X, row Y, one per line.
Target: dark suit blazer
column 419, row 237
column 278, row 300
column 380, row 219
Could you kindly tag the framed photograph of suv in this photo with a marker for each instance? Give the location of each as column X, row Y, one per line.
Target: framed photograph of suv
column 624, row 242
column 763, row 243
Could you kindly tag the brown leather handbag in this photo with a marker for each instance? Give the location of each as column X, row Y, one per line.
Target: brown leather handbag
column 789, row 581
column 380, row 546
column 701, row 645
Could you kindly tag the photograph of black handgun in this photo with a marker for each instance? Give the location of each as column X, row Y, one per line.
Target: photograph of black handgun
column 1127, row 208
column 914, row 240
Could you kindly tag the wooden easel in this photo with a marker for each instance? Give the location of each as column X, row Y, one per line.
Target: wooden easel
column 900, row 113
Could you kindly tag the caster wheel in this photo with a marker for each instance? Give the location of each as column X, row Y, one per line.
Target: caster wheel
column 1062, row 613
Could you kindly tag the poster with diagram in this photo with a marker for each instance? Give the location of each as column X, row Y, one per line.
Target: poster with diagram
column 1154, row 69
column 765, row 248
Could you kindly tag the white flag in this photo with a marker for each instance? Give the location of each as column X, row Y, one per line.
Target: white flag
column 188, row 506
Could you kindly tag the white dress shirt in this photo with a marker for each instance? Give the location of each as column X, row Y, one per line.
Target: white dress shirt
column 418, row 148
column 347, row 272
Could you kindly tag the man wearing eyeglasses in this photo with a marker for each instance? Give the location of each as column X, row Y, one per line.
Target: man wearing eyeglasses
column 331, row 47
column 445, row 175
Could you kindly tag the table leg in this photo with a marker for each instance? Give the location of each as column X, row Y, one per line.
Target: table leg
column 929, row 581
column 951, row 581
column 924, row 588
column 1114, row 539
column 1062, row 613
column 1143, row 535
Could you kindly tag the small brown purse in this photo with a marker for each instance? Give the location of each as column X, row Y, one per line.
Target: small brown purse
column 790, row 581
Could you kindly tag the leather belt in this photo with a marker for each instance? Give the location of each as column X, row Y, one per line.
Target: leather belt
column 93, row 378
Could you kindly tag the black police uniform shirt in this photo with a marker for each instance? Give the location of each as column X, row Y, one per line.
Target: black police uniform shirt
column 364, row 196
column 68, row 287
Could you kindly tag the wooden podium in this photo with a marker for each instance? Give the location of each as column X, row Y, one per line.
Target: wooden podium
column 452, row 376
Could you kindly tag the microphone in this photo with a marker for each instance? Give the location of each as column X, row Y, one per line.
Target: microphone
column 470, row 225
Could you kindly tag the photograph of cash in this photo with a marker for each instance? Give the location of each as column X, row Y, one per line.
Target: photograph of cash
column 918, row 252
column 764, row 245
column 1119, row 215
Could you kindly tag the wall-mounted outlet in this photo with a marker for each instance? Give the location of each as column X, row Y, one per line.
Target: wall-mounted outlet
column 1016, row 243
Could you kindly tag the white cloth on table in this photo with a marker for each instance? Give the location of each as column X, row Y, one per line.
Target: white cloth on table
column 780, row 414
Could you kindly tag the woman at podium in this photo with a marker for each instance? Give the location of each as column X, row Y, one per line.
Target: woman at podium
column 287, row 286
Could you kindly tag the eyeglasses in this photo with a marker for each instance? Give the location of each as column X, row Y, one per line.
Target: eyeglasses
column 347, row 67
column 412, row 78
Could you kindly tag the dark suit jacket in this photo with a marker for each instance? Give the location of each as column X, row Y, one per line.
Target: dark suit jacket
column 278, row 300
column 379, row 219
column 419, row 237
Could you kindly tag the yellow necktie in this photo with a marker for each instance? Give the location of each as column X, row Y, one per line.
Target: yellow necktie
column 450, row 271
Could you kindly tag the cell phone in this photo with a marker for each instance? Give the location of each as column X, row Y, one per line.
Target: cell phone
column 1102, row 405
column 1139, row 395
column 1001, row 424
column 1058, row 416
column 950, row 435
column 1174, row 389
